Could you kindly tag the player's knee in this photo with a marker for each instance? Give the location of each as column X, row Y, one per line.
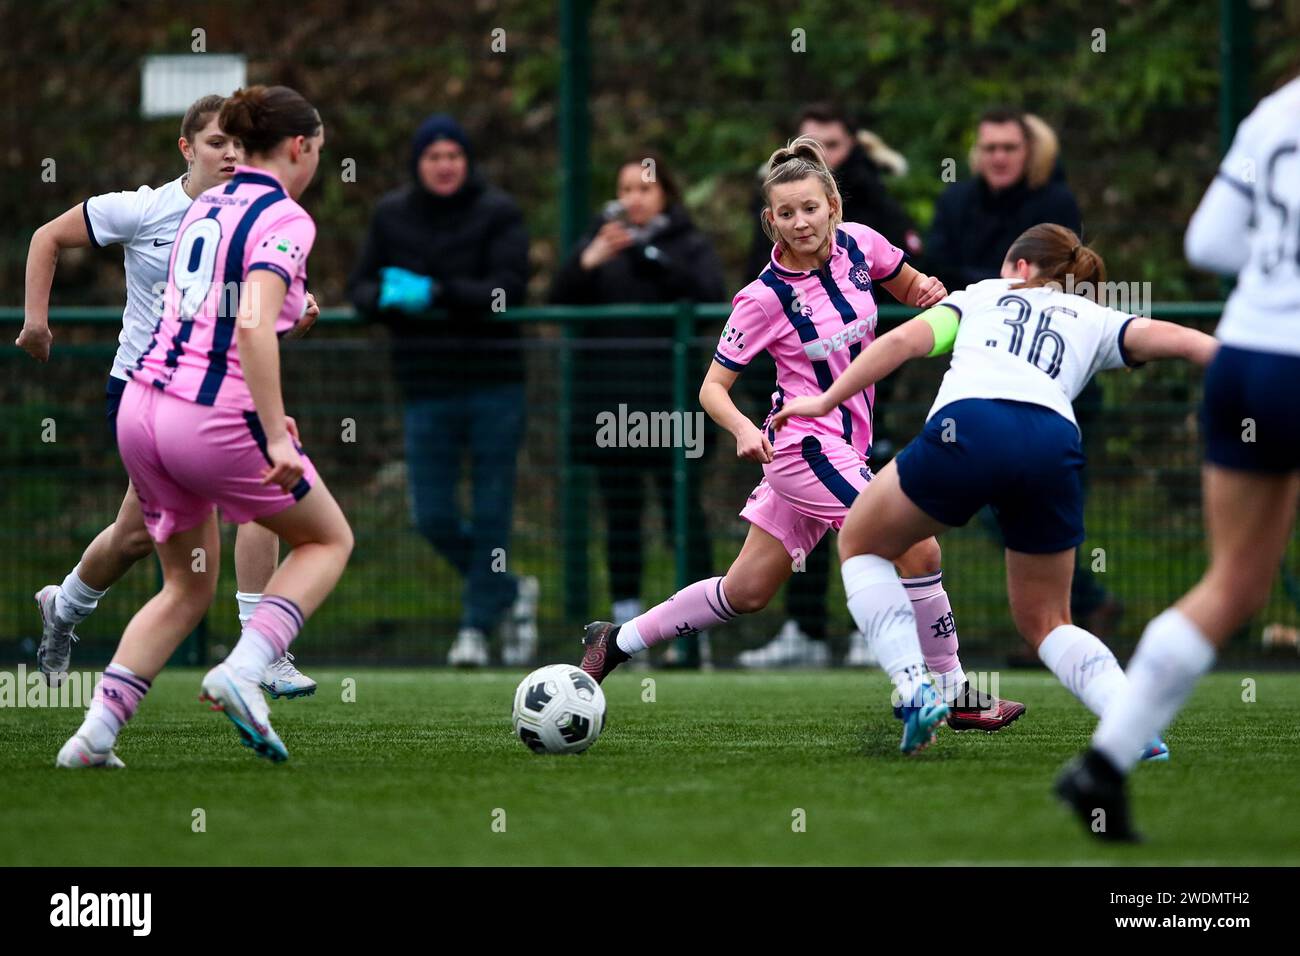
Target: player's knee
column 344, row 539
column 924, row 557
column 192, row 589
column 1240, row 586
column 746, row 597
column 1034, row 624
column 848, row 545
column 134, row 544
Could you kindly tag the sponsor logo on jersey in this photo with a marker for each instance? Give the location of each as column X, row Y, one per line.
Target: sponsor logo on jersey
column 283, row 244
column 850, row 334
column 223, row 200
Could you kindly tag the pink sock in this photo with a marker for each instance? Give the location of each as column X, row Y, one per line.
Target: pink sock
column 694, row 608
column 266, row 637
column 278, row 620
column 936, row 628
column 117, row 696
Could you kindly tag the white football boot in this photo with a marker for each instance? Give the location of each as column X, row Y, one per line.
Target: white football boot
column 790, row 648
column 469, row 650
column 242, row 702
column 519, row 644
column 77, row 754
column 282, row 679
column 860, row 653
column 55, row 652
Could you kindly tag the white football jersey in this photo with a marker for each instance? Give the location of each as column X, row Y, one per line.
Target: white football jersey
column 1263, row 312
column 1034, row 345
column 144, row 222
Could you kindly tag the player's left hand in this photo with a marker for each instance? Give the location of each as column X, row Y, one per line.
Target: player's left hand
column 805, row 406
column 35, row 341
column 286, row 466
column 929, row 291
column 310, row 313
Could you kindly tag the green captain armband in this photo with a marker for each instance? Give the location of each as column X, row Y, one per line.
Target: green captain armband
column 943, row 319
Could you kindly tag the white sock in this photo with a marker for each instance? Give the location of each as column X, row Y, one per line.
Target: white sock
column 1084, row 665
column 251, row 655
column 629, row 639
column 883, row 612
column 101, row 729
column 76, row 599
column 1169, row 660
column 247, row 605
column 950, row 683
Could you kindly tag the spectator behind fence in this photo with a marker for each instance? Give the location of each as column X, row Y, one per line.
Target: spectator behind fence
column 449, row 241
column 642, row 248
column 1018, row 182
column 859, row 160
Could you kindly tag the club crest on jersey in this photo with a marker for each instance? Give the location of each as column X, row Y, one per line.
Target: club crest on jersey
column 850, row 334
column 859, row 276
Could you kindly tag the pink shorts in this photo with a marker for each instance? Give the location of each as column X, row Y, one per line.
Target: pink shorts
column 806, row 490
column 185, row 458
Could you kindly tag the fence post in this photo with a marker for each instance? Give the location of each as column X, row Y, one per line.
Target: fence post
column 575, row 121
column 575, row 537
column 688, row 648
column 1235, row 41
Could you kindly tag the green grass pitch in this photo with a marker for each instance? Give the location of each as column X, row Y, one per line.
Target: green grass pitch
column 714, row 771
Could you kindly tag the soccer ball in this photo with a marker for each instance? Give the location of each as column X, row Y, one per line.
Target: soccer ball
column 558, row 710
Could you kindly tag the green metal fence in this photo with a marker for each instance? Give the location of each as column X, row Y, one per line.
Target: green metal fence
column 398, row 602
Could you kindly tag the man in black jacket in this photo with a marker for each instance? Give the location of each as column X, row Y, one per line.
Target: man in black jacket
column 858, row 173
column 444, row 254
column 1017, row 184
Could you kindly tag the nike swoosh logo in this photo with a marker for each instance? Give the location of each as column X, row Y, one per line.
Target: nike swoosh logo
column 167, row 243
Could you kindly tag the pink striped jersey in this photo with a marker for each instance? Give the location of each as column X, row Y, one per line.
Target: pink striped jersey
column 230, row 231
column 814, row 324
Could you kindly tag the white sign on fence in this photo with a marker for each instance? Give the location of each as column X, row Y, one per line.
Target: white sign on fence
column 169, row 84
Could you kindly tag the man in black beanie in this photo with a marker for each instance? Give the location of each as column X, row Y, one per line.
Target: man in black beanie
column 444, row 254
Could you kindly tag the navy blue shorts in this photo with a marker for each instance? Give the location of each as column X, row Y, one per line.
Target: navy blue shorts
column 1024, row 460
column 112, row 399
column 1251, row 411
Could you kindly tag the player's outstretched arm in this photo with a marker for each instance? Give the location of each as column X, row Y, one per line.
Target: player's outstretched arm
column 915, row 338
column 1148, row 339
column 67, row 231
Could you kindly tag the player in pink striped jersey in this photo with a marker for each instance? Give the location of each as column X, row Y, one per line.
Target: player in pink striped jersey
column 144, row 223
column 202, row 425
column 812, row 309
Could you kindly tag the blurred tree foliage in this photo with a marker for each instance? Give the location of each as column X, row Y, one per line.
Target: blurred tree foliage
column 711, row 85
